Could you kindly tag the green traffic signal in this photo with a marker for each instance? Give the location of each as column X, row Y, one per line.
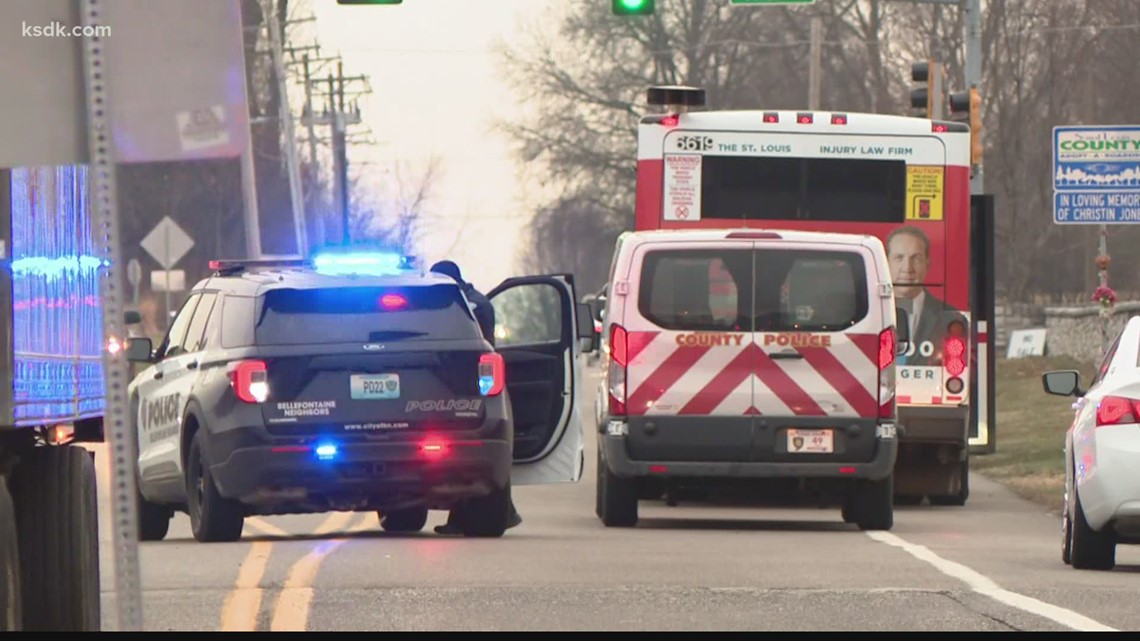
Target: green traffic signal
column 634, row 7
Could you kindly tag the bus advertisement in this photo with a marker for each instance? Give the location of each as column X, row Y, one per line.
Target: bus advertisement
column 901, row 179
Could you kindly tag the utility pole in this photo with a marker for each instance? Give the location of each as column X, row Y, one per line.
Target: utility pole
column 269, row 9
column 309, row 122
column 816, row 62
column 340, row 150
column 973, row 21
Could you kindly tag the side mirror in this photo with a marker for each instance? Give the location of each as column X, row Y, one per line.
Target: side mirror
column 585, row 324
column 140, row 350
column 902, row 331
column 132, row 317
column 1065, row 382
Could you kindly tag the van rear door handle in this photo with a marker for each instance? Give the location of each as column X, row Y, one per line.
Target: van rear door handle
column 785, row 355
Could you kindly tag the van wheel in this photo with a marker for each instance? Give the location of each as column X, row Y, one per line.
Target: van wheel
column 1089, row 549
column 487, row 516
column 872, row 504
column 213, row 518
column 412, row 519
column 618, row 498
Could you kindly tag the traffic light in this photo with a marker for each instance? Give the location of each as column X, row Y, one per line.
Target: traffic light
column 928, row 99
column 969, row 104
column 634, row 7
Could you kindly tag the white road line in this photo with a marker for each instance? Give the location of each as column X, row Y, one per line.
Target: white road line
column 986, row 586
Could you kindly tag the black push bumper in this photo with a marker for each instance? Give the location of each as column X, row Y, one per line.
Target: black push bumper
column 618, row 460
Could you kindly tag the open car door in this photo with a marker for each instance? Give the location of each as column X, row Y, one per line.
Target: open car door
column 538, row 324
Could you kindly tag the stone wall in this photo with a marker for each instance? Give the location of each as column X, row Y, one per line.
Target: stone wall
column 1075, row 331
column 1010, row 317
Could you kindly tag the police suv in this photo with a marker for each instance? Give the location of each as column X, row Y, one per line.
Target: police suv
column 354, row 382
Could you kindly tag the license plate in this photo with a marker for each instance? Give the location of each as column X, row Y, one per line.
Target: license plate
column 375, row 387
column 809, row 441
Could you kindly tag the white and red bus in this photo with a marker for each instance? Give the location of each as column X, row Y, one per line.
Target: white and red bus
column 904, row 180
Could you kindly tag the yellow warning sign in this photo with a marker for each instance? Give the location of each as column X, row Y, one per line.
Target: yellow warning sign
column 924, row 186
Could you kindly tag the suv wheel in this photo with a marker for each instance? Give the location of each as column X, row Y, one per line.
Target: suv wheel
column 213, row 518
column 412, row 519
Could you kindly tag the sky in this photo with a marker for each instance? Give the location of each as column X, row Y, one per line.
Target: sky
column 436, row 88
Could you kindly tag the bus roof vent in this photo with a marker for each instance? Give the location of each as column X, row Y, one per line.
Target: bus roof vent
column 676, row 98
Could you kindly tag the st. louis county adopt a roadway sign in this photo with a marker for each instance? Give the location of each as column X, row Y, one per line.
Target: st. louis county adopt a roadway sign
column 1096, row 175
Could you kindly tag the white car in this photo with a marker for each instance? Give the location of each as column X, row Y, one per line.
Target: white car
column 1102, row 455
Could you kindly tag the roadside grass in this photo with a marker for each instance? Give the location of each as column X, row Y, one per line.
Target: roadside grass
column 1031, row 426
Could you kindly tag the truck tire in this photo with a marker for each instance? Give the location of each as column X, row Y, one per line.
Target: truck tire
column 10, row 608
column 58, row 519
column 963, row 494
column 213, row 518
column 872, row 505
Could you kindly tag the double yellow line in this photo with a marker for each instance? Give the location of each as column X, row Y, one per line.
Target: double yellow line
column 291, row 609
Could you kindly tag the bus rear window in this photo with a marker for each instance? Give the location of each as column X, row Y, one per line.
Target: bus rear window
column 819, row 189
column 364, row 315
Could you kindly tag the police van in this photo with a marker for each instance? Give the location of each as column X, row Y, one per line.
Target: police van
column 354, row 382
column 756, row 357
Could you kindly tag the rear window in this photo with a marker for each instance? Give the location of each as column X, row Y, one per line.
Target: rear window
column 364, row 315
column 746, row 290
column 820, row 189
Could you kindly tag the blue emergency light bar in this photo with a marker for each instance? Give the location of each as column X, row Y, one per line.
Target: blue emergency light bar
column 330, row 263
column 363, row 263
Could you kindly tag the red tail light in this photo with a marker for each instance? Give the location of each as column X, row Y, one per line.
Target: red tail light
column 392, row 302
column 805, row 118
column 771, row 117
column 250, row 380
column 492, row 374
column 619, row 361
column 838, row 119
column 434, row 448
column 1117, row 410
column 954, row 354
column 670, row 121
column 887, row 347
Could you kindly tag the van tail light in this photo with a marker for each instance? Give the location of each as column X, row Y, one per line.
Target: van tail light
column 1117, row 410
column 954, row 352
column 250, row 380
column 887, row 347
column 619, row 362
column 492, row 374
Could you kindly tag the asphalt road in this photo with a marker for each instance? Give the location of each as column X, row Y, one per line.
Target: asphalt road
column 991, row 565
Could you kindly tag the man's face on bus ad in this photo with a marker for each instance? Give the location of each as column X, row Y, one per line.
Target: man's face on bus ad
column 909, row 261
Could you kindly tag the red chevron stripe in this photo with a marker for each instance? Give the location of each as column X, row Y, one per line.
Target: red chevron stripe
column 665, row 376
column 783, row 386
column 721, row 385
column 843, row 381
